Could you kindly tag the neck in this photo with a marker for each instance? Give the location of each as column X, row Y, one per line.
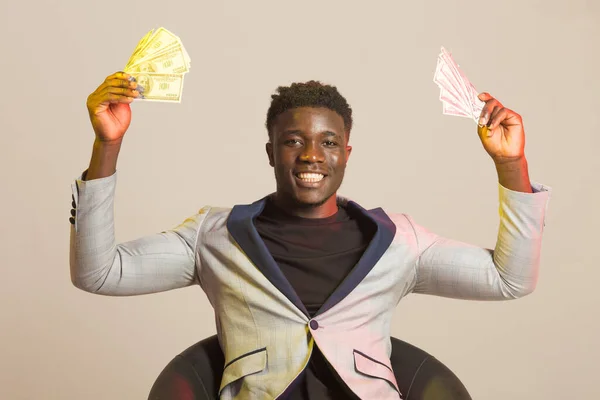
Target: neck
column 291, row 207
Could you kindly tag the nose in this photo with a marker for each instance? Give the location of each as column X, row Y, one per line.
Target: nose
column 311, row 153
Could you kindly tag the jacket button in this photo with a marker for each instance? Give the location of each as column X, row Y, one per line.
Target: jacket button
column 314, row 324
column 72, row 221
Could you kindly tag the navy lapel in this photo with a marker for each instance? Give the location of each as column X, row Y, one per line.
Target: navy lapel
column 241, row 227
column 380, row 242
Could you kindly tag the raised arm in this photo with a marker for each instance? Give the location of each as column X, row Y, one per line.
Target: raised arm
column 150, row 264
column 450, row 268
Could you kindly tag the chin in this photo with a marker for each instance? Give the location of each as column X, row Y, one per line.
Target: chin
column 312, row 200
column 310, row 204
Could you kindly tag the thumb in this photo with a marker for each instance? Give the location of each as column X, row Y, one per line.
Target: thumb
column 484, row 96
column 484, row 132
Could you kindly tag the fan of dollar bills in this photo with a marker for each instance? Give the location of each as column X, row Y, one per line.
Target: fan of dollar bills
column 159, row 63
column 457, row 94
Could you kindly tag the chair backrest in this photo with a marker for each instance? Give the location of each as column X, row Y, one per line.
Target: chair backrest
column 195, row 374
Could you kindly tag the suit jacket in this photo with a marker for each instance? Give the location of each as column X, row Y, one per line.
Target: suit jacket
column 264, row 329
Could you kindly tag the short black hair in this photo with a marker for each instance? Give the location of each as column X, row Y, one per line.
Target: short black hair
column 308, row 94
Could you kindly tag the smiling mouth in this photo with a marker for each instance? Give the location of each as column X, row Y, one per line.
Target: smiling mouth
column 309, row 177
column 309, row 180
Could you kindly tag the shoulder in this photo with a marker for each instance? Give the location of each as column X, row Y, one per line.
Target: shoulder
column 401, row 223
column 213, row 214
column 401, row 220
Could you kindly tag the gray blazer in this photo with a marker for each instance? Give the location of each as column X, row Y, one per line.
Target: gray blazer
column 264, row 329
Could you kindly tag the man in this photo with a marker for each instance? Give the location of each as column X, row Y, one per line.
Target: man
column 303, row 281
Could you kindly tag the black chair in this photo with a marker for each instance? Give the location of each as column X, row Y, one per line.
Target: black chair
column 195, row 374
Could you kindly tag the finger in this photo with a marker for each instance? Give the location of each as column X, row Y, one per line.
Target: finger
column 490, row 103
column 128, row 84
column 121, row 75
column 118, row 86
column 123, row 91
column 115, row 98
column 502, row 115
column 118, row 79
column 494, row 112
column 118, row 83
column 117, row 95
column 484, row 96
column 484, row 132
column 487, row 110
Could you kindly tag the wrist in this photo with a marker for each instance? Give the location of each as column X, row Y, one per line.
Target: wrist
column 108, row 143
column 104, row 159
column 511, row 165
column 514, row 175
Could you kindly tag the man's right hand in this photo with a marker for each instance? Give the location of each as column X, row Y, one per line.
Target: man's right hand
column 108, row 107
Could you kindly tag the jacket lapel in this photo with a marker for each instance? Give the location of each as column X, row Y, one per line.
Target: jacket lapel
column 384, row 234
column 241, row 227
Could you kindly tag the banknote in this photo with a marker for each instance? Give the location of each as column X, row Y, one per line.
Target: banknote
column 170, row 62
column 457, row 93
column 158, row 63
column 140, row 45
column 158, row 41
column 159, row 87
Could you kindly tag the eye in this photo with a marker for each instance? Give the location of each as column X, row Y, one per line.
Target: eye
column 291, row 142
column 330, row 143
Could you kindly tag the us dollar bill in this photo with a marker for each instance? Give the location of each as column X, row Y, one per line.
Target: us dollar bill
column 173, row 61
column 157, row 42
column 167, row 88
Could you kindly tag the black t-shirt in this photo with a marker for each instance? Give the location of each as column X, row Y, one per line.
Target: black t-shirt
column 315, row 255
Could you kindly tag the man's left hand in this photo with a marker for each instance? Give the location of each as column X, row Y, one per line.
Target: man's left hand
column 501, row 131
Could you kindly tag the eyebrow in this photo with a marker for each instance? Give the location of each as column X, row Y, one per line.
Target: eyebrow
column 299, row 132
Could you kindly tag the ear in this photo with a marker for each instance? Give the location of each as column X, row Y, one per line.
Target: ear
column 269, row 149
column 348, row 148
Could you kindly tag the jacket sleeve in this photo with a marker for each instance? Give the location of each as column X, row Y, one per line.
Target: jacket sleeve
column 454, row 269
column 154, row 263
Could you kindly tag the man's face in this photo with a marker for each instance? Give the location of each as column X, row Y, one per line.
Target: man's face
column 309, row 152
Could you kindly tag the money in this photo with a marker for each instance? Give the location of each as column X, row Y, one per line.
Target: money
column 171, row 62
column 159, row 63
column 457, row 93
column 160, row 87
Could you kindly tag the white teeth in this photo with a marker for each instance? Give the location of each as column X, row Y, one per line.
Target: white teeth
column 310, row 177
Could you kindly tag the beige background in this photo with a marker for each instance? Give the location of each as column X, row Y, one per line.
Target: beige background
column 539, row 58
